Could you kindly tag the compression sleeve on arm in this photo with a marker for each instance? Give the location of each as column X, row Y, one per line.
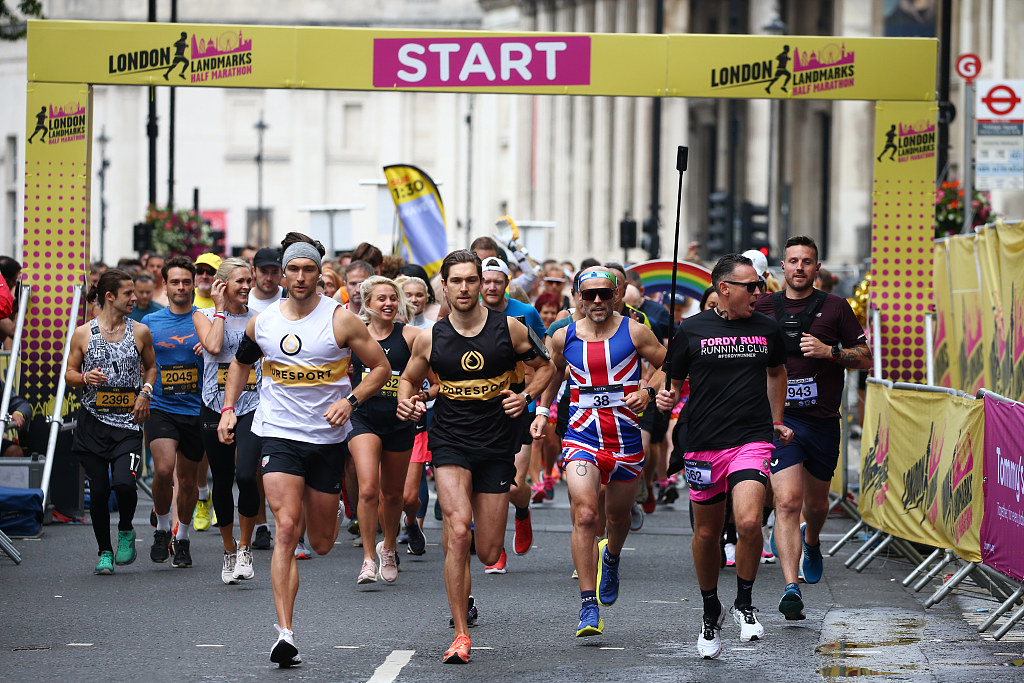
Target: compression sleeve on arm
column 248, row 351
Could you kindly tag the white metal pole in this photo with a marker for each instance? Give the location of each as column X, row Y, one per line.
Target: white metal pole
column 58, row 403
column 876, row 341
column 929, row 350
column 968, row 155
column 12, row 364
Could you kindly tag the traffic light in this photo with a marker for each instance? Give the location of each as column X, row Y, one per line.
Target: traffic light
column 719, row 240
column 651, row 241
column 754, row 227
column 142, row 237
column 627, row 232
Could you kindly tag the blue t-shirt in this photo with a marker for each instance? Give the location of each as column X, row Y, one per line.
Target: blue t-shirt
column 179, row 382
column 138, row 314
column 526, row 314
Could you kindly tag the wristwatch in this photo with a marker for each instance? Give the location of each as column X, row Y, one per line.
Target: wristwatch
column 351, row 398
column 651, row 392
column 527, row 398
column 835, row 352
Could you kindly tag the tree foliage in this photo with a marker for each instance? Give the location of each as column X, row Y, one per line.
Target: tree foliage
column 14, row 16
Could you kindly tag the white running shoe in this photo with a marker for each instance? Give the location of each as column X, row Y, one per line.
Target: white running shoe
column 387, row 567
column 709, row 642
column 730, row 554
column 227, row 572
column 284, row 653
column 243, row 564
column 750, row 627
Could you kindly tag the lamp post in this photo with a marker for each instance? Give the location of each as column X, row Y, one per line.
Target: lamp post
column 104, row 163
column 260, row 126
column 775, row 27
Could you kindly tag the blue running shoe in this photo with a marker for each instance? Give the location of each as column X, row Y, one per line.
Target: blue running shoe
column 591, row 623
column 812, row 565
column 607, row 577
column 792, row 603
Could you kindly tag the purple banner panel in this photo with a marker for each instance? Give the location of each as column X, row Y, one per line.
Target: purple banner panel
column 1002, row 526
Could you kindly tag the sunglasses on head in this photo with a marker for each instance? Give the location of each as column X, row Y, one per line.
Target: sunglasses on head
column 205, row 271
column 751, row 286
column 606, row 294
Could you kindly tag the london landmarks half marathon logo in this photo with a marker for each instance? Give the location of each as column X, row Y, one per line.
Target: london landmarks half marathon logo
column 204, row 58
column 830, row 68
column 909, row 141
column 60, row 123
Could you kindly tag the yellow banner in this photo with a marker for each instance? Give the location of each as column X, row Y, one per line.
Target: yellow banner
column 902, row 232
column 993, row 337
column 58, row 129
column 1011, row 261
column 947, row 368
column 965, row 284
column 921, row 468
column 678, row 65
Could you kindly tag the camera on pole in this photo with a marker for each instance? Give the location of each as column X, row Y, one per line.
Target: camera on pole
column 720, row 240
column 754, row 227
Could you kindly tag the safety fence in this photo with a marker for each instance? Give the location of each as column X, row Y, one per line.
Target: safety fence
column 943, row 468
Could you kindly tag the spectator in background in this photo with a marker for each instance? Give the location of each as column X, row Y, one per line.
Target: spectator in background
column 589, row 263
column 432, row 309
column 95, row 270
column 390, row 266
column 355, row 273
column 144, row 290
column 130, row 265
column 655, row 312
column 21, row 416
column 155, row 267
column 206, row 268
column 825, row 281
column 266, row 279
column 547, row 305
column 370, row 254
column 554, row 283
column 331, row 280
column 248, row 253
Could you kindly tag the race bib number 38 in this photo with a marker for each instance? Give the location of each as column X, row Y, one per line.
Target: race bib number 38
column 801, row 392
column 603, row 396
column 114, row 400
column 179, row 379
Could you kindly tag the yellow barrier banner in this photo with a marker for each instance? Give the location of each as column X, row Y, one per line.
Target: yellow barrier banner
column 965, row 285
column 921, row 469
column 1011, row 262
column 678, row 65
column 902, row 230
column 947, row 369
column 993, row 338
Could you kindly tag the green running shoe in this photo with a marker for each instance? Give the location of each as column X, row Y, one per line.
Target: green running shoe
column 106, row 564
column 125, row 547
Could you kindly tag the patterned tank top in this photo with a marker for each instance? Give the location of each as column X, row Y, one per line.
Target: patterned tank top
column 112, row 402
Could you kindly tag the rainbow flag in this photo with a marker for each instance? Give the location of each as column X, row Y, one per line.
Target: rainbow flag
column 421, row 214
column 656, row 276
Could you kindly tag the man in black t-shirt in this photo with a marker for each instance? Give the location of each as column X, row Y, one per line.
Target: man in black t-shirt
column 823, row 339
column 735, row 360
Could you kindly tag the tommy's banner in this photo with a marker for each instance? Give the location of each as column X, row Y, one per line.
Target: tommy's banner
column 676, row 65
column 1003, row 526
column 1011, row 268
column 921, row 467
column 421, row 214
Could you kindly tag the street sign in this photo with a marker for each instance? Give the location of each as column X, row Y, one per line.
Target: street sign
column 968, row 66
column 999, row 155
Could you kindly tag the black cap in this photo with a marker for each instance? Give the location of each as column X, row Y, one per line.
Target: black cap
column 267, row 256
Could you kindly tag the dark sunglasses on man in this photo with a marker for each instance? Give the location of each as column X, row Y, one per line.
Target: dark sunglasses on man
column 205, row 271
column 756, row 285
column 606, row 294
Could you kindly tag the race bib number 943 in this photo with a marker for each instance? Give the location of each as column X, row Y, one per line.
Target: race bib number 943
column 802, row 392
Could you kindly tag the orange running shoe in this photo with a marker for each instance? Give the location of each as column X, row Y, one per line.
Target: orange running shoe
column 458, row 653
column 499, row 567
column 523, row 539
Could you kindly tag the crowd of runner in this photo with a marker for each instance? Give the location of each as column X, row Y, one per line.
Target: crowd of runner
column 329, row 389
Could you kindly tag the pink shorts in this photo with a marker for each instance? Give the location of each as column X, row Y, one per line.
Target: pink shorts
column 420, row 452
column 707, row 472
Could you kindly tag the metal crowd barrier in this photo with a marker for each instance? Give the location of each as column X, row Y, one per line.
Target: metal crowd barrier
column 5, row 404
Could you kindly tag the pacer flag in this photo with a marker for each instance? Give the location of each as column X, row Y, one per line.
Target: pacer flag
column 421, row 213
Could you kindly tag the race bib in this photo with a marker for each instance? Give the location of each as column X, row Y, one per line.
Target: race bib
column 114, row 400
column 801, row 392
column 603, row 396
column 222, row 377
column 390, row 388
column 179, row 379
column 698, row 474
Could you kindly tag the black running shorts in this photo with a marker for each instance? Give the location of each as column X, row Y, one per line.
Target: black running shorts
column 321, row 465
column 185, row 429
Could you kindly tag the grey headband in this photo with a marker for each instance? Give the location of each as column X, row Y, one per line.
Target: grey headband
column 301, row 250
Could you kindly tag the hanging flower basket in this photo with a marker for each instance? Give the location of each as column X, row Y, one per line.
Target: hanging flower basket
column 178, row 233
column 949, row 209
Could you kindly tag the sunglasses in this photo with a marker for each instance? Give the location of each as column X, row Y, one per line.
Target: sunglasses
column 606, row 294
column 205, row 271
column 751, row 286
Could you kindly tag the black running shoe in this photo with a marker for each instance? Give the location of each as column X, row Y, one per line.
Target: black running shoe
column 261, row 539
column 471, row 615
column 417, row 542
column 160, row 550
column 182, row 556
column 152, row 517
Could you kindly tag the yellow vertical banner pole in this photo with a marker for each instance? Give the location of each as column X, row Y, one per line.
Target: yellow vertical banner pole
column 902, row 229
column 58, row 133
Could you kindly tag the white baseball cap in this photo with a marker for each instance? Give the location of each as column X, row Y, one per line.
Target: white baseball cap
column 495, row 263
column 759, row 260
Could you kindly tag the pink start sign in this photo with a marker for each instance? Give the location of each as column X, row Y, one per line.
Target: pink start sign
column 481, row 62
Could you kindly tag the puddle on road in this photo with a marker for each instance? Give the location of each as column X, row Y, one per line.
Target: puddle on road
column 842, row 648
column 850, row 672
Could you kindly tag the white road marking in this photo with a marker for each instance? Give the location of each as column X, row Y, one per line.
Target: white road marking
column 744, row 649
column 346, row 647
column 629, row 548
column 207, row 645
column 392, row 666
column 79, row 644
column 613, row 648
column 483, row 647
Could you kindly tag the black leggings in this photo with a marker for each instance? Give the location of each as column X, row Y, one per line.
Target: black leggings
column 225, row 470
column 102, row 473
